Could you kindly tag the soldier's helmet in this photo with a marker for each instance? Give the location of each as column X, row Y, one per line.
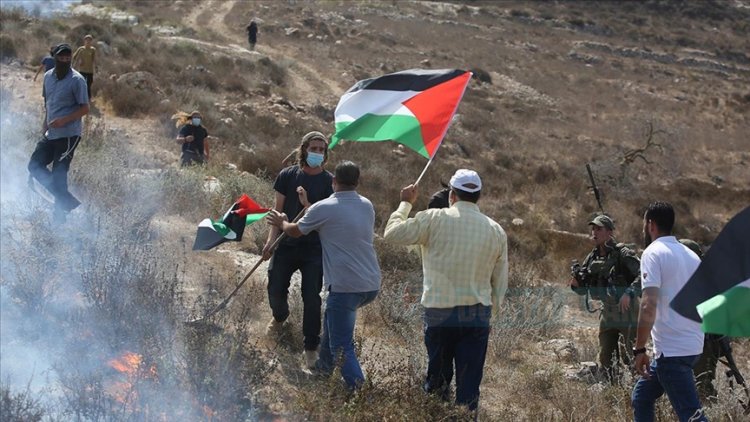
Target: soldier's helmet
column 603, row 221
column 693, row 246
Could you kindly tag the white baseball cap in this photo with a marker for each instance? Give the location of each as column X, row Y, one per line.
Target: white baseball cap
column 466, row 180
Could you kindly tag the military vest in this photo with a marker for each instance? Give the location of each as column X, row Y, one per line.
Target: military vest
column 609, row 277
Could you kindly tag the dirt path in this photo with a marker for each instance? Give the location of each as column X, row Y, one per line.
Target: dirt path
column 307, row 84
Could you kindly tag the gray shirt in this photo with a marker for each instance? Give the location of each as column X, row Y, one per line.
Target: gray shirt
column 63, row 97
column 346, row 224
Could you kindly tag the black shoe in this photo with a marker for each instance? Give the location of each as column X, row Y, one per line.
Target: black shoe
column 70, row 203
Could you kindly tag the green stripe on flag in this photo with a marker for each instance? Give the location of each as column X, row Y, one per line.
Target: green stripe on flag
column 372, row 128
column 727, row 313
column 252, row 218
column 221, row 228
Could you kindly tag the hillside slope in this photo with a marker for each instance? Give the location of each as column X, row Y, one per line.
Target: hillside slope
column 557, row 85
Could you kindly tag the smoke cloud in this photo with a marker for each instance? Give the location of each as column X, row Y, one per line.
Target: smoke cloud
column 92, row 311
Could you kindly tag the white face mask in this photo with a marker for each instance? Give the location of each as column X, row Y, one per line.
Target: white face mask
column 196, row 121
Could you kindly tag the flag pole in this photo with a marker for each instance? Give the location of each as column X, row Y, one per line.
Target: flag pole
column 225, row 302
column 424, row 170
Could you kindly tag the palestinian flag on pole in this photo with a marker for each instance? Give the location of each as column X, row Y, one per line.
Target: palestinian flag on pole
column 413, row 108
column 718, row 293
column 231, row 227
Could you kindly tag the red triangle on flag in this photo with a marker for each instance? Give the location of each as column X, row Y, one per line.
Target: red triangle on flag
column 245, row 205
column 435, row 107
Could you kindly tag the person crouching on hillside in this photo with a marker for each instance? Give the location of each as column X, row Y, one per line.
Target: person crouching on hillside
column 193, row 137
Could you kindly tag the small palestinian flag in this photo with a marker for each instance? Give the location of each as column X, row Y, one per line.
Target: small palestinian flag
column 413, row 108
column 718, row 293
column 213, row 233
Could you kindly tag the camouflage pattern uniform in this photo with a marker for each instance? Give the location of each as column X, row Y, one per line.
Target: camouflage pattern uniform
column 705, row 368
column 611, row 276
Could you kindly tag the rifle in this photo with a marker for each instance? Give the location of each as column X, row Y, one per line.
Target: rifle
column 733, row 371
column 576, row 270
column 594, row 188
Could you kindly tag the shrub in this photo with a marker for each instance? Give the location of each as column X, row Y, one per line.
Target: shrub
column 7, row 47
column 19, row 406
column 127, row 100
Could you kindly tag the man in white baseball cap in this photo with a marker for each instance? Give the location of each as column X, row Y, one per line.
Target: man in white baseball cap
column 465, row 256
column 466, row 180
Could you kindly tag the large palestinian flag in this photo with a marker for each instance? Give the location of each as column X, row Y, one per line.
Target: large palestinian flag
column 231, row 227
column 718, row 293
column 413, row 107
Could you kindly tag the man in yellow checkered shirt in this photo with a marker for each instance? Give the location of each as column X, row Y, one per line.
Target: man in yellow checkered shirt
column 465, row 264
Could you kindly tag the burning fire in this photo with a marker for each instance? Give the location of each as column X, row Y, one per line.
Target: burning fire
column 128, row 363
column 131, row 365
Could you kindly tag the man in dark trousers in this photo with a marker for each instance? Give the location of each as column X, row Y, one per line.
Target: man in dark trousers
column 66, row 101
column 297, row 187
column 465, row 263
column 345, row 222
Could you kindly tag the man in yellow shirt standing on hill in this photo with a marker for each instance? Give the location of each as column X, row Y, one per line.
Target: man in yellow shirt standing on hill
column 84, row 61
column 465, row 264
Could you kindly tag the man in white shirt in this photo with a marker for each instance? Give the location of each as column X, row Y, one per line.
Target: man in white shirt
column 666, row 266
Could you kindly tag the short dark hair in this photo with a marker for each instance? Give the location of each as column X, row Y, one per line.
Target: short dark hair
column 347, row 174
column 467, row 196
column 662, row 214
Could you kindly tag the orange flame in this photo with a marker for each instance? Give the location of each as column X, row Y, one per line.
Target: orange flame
column 131, row 365
column 128, row 363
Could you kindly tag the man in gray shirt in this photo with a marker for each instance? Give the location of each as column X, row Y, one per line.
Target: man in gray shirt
column 345, row 222
column 66, row 101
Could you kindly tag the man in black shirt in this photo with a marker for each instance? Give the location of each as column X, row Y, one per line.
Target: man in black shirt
column 193, row 136
column 296, row 187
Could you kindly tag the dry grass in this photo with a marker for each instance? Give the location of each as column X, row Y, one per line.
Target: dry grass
column 530, row 154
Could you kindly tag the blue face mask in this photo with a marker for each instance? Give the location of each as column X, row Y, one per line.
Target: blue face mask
column 196, row 121
column 314, row 159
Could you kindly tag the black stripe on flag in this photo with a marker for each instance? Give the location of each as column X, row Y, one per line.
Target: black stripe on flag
column 408, row 80
column 725, row 265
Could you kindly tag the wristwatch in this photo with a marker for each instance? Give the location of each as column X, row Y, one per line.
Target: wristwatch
column 637, row 352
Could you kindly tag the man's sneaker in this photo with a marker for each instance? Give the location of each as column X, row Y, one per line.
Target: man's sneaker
column 311, row 356
column 275, row 328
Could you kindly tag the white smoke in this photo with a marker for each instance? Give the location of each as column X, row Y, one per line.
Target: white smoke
column 75, row 296
column 40, row 8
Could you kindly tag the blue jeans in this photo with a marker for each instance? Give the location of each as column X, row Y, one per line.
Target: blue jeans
column 337, row 344
column 459, row 335
column 287, row 259
column 673, row 375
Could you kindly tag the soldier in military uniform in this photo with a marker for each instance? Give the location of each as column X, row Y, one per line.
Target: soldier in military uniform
column 612, row 277
column 705, row 368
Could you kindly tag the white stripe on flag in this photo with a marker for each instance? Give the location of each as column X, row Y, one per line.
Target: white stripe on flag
column 356, row 104
column 206, row 223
